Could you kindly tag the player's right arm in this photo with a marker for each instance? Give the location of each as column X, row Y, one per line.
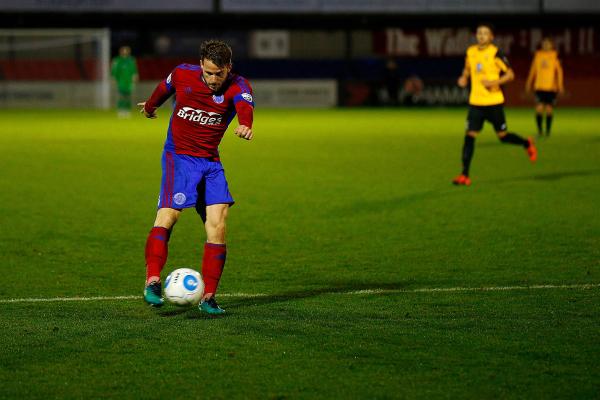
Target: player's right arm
column 463, row 80
column 531, row 76
column 163, row 91
column 113, row 68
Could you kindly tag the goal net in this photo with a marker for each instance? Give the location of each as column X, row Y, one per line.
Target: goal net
column 54, row 68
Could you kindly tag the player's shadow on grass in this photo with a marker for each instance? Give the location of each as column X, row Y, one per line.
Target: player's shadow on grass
column 239, row 303
column 189, row 312
column 493, row 143
column 549, row 177
column 173, row 311
column 309, row 293
column 594, row 139
column 382, row 205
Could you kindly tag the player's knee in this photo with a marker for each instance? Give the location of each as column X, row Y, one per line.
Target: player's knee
column 215, row 231
column 539, row 108
column 473, row 134
column 215, row 223
column 549, row 109
column 167, row 217
column 501, row 135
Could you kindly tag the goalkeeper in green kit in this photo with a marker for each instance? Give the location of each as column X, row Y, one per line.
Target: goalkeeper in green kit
column 124, row 70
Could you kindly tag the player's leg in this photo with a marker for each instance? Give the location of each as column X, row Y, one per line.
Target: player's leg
column 157, row 244
column 124, row 103
column 215, row 249
column 539, row 115
column 156, row 252
column 175, row 194
column 474, row 124
column 218, row 200
column 499, row 121
column 549, row 115
column 467, row 155
column 514, row 138
column 215, row 254
column 127, row 104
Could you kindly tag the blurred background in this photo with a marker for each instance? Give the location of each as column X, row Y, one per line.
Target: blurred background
column 297, row 53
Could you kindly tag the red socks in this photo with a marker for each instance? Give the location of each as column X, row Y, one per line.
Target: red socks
column 156, row 251
column 213, row 262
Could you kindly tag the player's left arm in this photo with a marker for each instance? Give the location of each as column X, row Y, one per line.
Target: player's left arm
column 244, row 107
column 507, row 73
column 560, row 77
column 136, row 74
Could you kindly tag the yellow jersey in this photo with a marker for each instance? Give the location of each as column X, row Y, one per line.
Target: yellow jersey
column 547, row 71
column 485, row 64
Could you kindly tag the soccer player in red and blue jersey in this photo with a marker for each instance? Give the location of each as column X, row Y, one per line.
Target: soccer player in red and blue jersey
column 207, row 98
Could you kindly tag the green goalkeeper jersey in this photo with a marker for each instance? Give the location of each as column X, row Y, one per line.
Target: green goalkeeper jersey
column 123, row 70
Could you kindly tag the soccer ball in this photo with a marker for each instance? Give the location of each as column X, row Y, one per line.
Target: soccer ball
column 184, row 287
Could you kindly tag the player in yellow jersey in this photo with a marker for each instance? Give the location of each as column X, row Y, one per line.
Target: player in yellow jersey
column 487, row 68
column 546, row 78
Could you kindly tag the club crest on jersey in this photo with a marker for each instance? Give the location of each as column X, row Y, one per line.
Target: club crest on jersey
column 218, row 99
column 247, row 97
column 200, row 116
column 479, row 67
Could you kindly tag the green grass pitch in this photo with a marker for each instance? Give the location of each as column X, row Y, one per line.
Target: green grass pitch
column 345, row 222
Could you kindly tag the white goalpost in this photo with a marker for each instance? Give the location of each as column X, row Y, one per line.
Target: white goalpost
column 55, row 68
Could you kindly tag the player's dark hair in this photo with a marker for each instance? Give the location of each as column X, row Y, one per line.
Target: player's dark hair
column 488, row 25
column 549, row 39
column 216, row 51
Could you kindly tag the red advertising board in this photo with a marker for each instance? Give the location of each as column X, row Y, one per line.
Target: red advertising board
column 579, row 50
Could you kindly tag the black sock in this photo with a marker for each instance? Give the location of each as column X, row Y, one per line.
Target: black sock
column 513, row 138
column 467, row 153
column 538, row 120
column 548, row 123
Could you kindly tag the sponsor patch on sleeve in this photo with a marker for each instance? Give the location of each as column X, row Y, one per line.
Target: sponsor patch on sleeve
column 169, row 78
column 247, row 97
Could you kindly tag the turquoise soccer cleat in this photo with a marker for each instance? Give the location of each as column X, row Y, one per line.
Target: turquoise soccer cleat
column 211, row 307
column 152, row 294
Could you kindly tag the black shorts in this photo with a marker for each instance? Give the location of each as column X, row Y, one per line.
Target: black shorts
column 479, row 114
column 545, row 97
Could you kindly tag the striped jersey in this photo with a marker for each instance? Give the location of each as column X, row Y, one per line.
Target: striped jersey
column 200, row 116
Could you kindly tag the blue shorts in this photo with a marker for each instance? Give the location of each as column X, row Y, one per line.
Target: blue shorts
column 189, row 181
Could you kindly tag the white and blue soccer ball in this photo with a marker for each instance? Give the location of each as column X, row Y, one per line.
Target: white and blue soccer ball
column 184, row 287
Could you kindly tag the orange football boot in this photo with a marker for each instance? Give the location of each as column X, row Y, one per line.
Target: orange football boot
column 531, row 150
column 462, row 180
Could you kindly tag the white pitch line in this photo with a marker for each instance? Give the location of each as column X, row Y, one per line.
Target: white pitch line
column 476, row 289
column 108, row 298
column 583, row 286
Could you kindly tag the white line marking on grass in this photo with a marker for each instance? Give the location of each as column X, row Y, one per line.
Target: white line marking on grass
column 109, row 298
column 475, row 289
column 51, row 299
column 582, row 286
